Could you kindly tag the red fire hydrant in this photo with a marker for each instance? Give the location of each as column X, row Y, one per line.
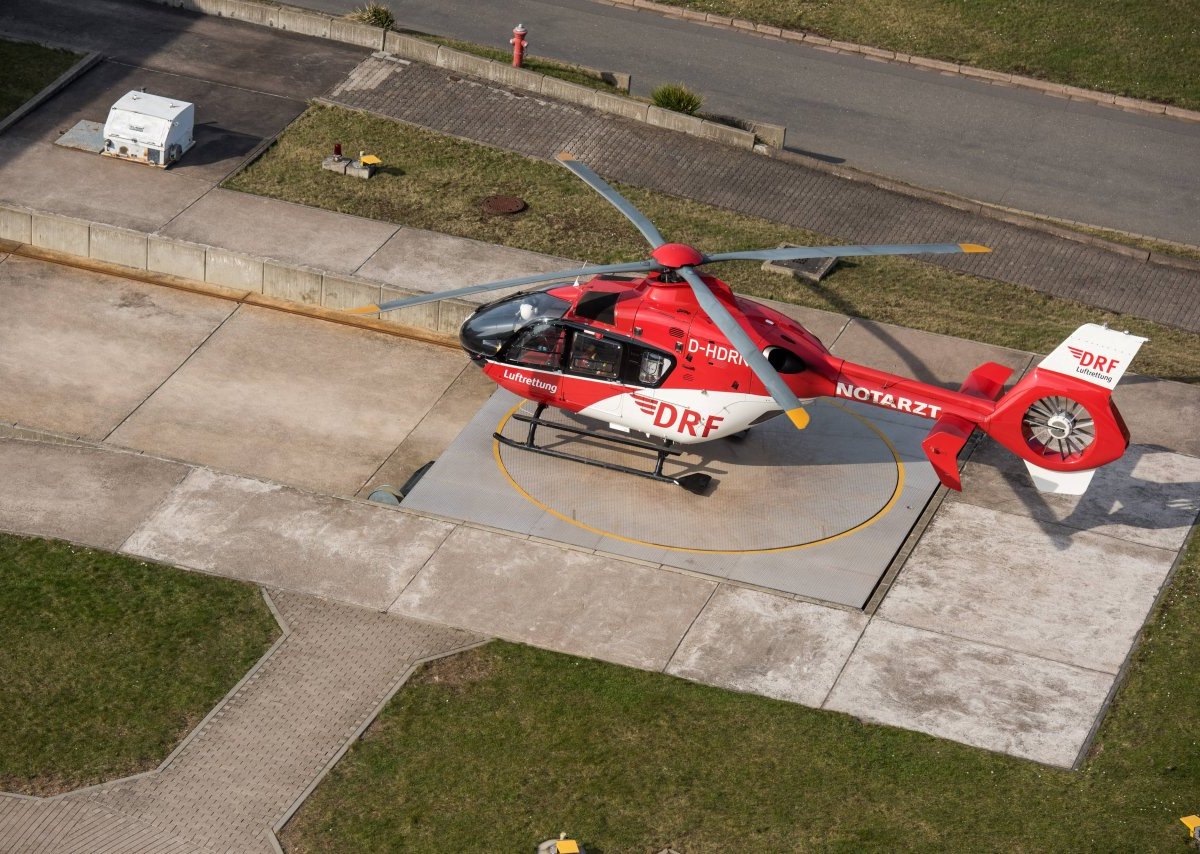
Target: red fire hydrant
column 519, row 44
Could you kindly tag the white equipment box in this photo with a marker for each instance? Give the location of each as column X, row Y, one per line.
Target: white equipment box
column 149, row 128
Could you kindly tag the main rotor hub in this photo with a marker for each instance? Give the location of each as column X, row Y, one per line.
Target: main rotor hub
column 676, row 255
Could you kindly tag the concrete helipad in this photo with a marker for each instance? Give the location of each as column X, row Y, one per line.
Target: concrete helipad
column 818, row 514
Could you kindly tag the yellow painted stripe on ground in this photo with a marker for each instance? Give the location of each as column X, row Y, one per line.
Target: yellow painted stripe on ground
column 866, row 523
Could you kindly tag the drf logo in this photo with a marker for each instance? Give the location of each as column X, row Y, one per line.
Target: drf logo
column 668, row 416
column 1088, row 359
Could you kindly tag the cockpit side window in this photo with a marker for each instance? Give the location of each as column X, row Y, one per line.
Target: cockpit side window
column 595, row 357
column 539, row 345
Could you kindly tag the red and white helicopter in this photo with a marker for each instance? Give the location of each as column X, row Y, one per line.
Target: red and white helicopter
column 657, row 348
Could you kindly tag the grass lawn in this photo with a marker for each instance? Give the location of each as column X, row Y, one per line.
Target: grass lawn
column 1143, row 50
column 503, row 746
column 107, row 663
column 28, row 69
column 436, row 182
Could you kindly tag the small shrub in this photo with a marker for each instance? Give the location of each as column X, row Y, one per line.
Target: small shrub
column 677, row 97
column 375, row 14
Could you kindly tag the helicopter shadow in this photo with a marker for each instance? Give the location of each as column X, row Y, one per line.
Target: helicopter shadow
column 1150, row 496
column 836, row 437
column 883, row 341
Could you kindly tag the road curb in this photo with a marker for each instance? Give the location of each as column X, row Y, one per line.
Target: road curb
column 998, row 78
column 323, row 25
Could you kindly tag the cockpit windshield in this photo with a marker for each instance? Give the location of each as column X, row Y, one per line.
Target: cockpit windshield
column 486, row 332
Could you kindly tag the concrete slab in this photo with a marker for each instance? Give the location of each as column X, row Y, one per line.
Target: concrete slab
column 555, row 598
column 1070, row 596
column 312, row 404
column 872, row 490
column 285, row 538
column 231, row 120
column 935, row 359
column 82, row 350
column 268, row 228
column 969, row 692
column 99, row 189
column 1161, row 413
column 441, row 424
column 83, row 494
column 427, row 261
column 760, row 643
column 1148, row 496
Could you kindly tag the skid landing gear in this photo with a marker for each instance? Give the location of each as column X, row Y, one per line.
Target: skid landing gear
column 694, row 483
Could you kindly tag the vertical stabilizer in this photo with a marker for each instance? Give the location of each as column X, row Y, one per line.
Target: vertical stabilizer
column 1094, row 354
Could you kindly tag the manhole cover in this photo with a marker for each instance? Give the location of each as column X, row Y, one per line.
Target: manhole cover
column 503, row 205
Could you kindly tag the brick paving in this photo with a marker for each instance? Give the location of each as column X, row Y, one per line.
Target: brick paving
column 657, row 159
column 248, row 763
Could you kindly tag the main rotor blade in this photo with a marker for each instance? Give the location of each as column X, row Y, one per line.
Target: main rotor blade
column 628, row 267
column 645, row 226
column 741, row 341
column 794, row 253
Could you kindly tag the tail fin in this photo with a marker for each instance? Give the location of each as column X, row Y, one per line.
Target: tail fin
column 1094, row 354
column 1060, row 418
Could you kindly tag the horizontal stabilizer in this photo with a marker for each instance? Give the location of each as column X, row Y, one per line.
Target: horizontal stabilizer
column 942, row 445
column 986, row 381
column 1060, row 482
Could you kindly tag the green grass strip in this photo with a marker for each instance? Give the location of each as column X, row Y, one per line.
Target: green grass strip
column 107, row 663
column 28, row 69
column 504, row 746
column 1141, row 50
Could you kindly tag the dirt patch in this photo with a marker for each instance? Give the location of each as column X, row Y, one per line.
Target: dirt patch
column 457, row 672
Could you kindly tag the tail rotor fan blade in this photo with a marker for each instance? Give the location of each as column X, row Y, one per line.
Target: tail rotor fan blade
column 797, row 253
column 741, row 342
column 629, row 267
column 585, row 173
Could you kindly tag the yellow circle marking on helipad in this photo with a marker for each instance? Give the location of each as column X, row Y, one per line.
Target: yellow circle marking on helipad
column 879, row 514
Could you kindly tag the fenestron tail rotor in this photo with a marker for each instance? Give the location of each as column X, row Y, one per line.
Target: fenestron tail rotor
column 1058, row 425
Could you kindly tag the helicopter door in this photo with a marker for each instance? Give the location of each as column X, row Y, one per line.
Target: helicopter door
column 599, row 359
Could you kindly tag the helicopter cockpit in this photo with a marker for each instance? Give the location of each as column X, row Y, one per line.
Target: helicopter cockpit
column 491, row 327
column 528, row 330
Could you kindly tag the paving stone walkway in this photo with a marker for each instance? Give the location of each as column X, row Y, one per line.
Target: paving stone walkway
column 242, row 770
column 782, row 191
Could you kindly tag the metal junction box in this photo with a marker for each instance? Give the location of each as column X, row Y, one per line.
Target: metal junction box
column 149, row 128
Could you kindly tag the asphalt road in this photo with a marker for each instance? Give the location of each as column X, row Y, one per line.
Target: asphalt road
column 994, row 144
column 161, row 39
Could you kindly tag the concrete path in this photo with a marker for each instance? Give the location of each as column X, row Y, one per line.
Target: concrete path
column 1006, row 146
column 237, row 777
column 680, row 165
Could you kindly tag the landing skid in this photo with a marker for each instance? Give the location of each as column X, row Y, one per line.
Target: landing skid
column 695, row 483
